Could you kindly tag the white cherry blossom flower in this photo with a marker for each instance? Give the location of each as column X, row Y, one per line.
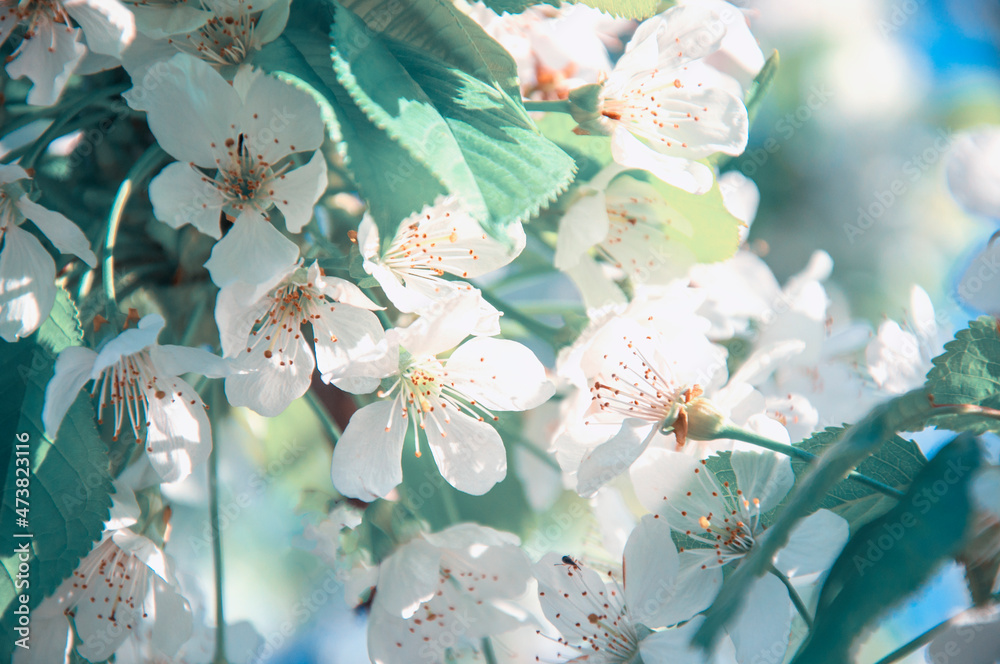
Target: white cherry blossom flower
column 57, row 35
column 261, row 328
column 665, row 107
column 444, row 592
column 442, row 238
column 606, row 623
column 124, row 584
column 630, row 224
column 235, row 144
column 447, row 402
column 974, row 171
column 726, row 520
column 27, row 271
column 137, row 380
column 900, row 357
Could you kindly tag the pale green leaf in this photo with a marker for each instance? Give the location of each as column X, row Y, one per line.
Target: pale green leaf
column 968, row 372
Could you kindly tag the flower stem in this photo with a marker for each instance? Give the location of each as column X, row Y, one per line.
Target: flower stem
column 560, row 106
column 149, row 160
column 488, row 654
column 213, row 515
column 333, row 431
column 736, row 433
column 800, row 606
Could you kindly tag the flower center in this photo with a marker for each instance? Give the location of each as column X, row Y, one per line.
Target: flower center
column 640, row 108
column 635, row 389
column 223, row 40
column 243, row 181
column 34, row 12
column 114, row 581
column 292, row 305
column 416, row 254
column 126, row 386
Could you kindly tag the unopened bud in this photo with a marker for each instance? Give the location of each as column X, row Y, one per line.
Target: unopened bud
column 704, row 419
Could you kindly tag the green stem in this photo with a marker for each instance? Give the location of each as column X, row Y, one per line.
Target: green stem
column 545, row 332
column 800, row 606
column 213, row 512
column 737, row 433
column 149, row 160
column 450, row 508
column 488, row 654
column 560, row 106
column 333, row 431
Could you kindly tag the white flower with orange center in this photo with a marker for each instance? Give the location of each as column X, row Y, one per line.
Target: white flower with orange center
column 266, row 331
column 723, row 521
column 136, row 379
column 665, row 107
column 448, row 403
column 235, row 144
column 51, row 45
column 602, row 621
column 440, row 239
column 124, row 582
column 27, row 271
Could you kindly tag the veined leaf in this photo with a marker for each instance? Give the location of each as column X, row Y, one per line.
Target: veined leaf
column 895, row 463
column 69, row 490
column 892, row 556
column 637, row 9
column 968, row 372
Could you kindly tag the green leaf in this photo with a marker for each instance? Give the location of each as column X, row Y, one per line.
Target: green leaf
column 69, row 488
column 637, row 9
column 762, row 84
column 701, row 223
column 907, row 412
column 892, row 556
column 591, row 152
column 968, row 372
column 895, row 463
column 516, row 6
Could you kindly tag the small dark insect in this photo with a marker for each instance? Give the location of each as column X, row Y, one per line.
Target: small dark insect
column 569, row 562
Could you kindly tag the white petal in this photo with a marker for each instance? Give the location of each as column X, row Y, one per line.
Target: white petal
column 367, row 458
column 235, row 315
column 405, row 299
column 178, row 435
column 12, row 172
column 72, row 371
column 296, row 192
column 691, row 176
column 442, row 326
column 161, row 21
column 63, row 233
column 813, row 545
column 673, row 646
column 766, row 476
column 108, row 26
column 612, row 458
column 469, row 453
column 598, row 291
column 696, row 588
column 176, row 360
column 368, row 239
column 48, row 59
column 663, row 479
column 974, row 171
column 498, row 373
column 279, row 119
column 188, row 108
column 559, row 592
column 128, row 342
column 269, row 384
column 346, row 339
column 408, row 578
column 760, row 630
column 173, row 622
column 253, row 251
column 979, row 286
column 27, row 288
column 347, row 293
column 651, row 565
column 180, row 195
column 584, row 225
